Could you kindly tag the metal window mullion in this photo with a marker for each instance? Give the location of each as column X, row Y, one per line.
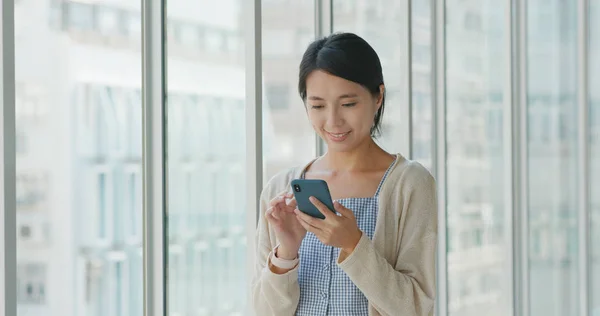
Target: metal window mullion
column 508, row 149
column 323, row 27
column 154, row 156
column 520, row 162
column 8, row 207
column 439, row 153
column 583, row 165
column 254, row 133
column 406, row 112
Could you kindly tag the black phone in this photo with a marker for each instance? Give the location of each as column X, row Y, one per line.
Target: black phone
column 305, row 188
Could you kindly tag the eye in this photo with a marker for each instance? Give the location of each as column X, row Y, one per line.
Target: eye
column 316, row 107
column 349, row 104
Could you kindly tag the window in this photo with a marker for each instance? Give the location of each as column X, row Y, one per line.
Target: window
column 278, row 43
column 103, row 203
column 81, row 16
column 31, row 283
column 288, row 29
column 108, row 20
column 32, row 190
column 133, row 207
column 494, row 126
column 551, row 60
column 189, row 35
column 214, row 40
column 71, row 195
column 476, row 155
column 204, row 93
column 134, row 25
column 472, row 21
column 56, row 19
column 278, row 96
column 421, row 53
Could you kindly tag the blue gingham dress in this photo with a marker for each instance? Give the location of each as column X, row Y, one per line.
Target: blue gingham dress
column 324, row 288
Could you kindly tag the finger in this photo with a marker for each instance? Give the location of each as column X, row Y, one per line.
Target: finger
column 292, row 202
column 345, row 212
column 321, row 207
column 312, row 221
column 270, row 218
column 277, row 200
column 275, row 212
column 307, row 225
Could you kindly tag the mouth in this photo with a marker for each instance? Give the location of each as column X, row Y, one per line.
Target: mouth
column 337, row 137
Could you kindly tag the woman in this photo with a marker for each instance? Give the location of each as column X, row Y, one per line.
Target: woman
column 377, row 257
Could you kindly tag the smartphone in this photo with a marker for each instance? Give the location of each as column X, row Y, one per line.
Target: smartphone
column 305, row 188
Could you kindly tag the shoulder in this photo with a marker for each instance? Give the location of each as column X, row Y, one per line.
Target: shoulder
column 409, row 175
column 411, row 194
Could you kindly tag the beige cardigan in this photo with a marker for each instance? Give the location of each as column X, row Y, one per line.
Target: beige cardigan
column 395, row 271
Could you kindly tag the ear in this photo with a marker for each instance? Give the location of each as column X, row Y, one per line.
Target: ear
column 380, row 97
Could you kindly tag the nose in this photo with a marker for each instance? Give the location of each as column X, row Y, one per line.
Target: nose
column 335, row 118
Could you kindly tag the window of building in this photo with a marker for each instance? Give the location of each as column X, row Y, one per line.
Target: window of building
column 108, row 20
column 81, row 16
column 472, row 21
column 278, row 96
column 214, row 41
column 31, row 283
column 134, row 25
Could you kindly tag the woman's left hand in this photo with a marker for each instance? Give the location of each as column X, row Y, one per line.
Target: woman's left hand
column 340, row 231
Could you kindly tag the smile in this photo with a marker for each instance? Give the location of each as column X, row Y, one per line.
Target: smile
column 338, row 137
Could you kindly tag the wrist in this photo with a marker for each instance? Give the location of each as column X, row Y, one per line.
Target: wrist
column 285, row 254
column 352, row 245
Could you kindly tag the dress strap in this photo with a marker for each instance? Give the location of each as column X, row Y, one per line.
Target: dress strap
column 384, row 176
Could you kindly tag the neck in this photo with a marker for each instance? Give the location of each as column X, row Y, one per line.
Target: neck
column 359, row 158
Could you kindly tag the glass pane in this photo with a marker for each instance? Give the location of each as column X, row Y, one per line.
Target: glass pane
column 421, row 82
column 552, row 156
column 380, row 24
column 594, row 77
column 79, row 180
column 288, row 28
column 479, row 277
column 206, row 167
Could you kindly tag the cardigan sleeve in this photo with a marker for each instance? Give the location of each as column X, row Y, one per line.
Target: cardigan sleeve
column 408, row 288
column 272, row 294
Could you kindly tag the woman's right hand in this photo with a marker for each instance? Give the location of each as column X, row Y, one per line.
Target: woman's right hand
column 288, row 229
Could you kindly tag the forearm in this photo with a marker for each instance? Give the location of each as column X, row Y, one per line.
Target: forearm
column 276, row 291
column 390, row 291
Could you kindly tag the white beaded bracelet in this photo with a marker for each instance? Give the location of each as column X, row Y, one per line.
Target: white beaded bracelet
column 282, row 263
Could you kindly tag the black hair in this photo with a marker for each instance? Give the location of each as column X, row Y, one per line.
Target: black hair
column 348, row 56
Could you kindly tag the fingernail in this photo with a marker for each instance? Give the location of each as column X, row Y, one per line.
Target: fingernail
column 312, row 198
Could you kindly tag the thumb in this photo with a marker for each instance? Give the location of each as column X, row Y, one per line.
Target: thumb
column 345, row 212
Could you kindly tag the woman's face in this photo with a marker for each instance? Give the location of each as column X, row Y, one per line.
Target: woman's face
column 340, row 111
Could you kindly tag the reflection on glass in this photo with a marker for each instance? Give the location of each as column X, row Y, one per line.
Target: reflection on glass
column 552, row 157
column 421, row 83
column 479, row 279
column 206, row 134
column 380, row 24
column 594, row 82
column 79, row 186
column 288, row 28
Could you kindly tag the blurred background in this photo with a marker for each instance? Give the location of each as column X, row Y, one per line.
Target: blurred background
column 79, row 146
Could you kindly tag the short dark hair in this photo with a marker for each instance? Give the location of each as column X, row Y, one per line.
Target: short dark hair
column 348, row 56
